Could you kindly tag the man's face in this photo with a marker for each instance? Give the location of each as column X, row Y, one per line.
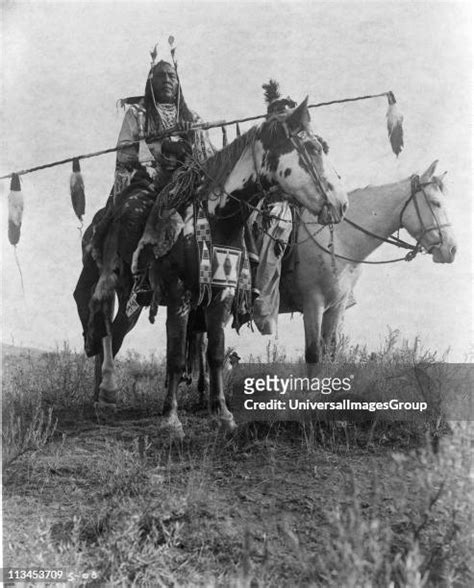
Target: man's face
column 165, row 84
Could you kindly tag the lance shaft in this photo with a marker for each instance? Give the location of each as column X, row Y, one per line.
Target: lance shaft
column 175, row 131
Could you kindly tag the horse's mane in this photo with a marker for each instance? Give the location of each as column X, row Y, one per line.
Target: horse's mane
column 219, row 166
column 272, row 131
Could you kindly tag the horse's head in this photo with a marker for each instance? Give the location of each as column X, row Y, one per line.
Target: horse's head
column 294, row 158
column 424, row 216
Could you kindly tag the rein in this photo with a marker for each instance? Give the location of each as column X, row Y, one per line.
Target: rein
column 303, row 152
column 408, row 257
column 415, row 187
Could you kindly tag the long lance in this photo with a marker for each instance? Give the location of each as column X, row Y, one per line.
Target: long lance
column 394, row 121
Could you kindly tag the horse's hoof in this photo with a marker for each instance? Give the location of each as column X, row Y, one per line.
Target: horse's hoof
column 174, row 427
column 228, row 423
column 105, row 412
column 107, row 398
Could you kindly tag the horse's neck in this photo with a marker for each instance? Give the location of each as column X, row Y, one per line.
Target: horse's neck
column 238, row 186
column 227, row 213
column 377, row 209
column 244, row 171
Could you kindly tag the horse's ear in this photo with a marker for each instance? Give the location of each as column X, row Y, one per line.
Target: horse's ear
column 426, row 177
column 300, row 116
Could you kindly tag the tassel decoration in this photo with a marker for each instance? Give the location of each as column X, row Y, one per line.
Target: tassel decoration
column 78, row 197
column 394, row 125
column 15, row 210
column 237, row 130
column 224, row 137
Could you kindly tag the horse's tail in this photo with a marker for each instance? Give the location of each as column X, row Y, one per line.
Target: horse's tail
column 196, row 344
column 192, row 355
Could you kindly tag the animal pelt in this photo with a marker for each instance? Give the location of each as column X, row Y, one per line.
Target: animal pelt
column 109, row 246
column 159, row 236
column 125, row 208
column 122, row 231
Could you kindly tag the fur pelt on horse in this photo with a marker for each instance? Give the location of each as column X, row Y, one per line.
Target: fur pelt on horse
column 110, row 239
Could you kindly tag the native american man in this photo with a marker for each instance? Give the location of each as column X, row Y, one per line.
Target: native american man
column 163, row 107
column 268, row 236
column 143, row 168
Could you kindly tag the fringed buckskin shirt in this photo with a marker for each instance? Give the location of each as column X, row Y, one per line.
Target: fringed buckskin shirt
column 145, row 153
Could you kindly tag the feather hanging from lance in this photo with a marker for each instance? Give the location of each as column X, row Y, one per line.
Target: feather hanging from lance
column 237, row 130
column 78, row 197
column 15, row 210
column 224, row 137
column 394, row 124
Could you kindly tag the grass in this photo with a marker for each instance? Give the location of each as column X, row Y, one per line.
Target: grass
column 283, row 504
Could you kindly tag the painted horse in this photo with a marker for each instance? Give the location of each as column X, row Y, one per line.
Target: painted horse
column 281, row 154
column 318, row 283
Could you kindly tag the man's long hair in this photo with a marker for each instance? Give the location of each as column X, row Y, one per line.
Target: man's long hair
column 152, row 117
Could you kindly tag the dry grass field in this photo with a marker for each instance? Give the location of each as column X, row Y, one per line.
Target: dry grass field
column 320, row 504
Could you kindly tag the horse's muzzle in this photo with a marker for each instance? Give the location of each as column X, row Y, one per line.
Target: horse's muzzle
column 330, row 214
column 444, row 253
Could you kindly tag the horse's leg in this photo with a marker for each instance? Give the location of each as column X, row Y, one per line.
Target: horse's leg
column 203, row 380
column 120, row 327
column 217, row 315
column 108, row 386
column 98, row 361
column 313, row 311
column 123, row 323
column 176, row 331
column 197, row 349
column 330, row 325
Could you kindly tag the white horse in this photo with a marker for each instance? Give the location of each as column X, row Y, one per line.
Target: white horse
column 319, row 283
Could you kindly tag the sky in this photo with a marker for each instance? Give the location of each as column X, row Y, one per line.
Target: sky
column 66, row 64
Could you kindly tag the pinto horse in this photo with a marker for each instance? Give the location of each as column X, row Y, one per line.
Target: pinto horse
column 318, row 283
column 283, row 154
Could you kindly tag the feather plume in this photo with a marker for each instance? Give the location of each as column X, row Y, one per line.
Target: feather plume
column 271, row 91
column 394, row 125
column 153, row 54
column 171, row 41
column 15, row 210
column 78, row 197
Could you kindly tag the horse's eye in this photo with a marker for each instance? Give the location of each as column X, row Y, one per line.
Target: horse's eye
column 436, row 204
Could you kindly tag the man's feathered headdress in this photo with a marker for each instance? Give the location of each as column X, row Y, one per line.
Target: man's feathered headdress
column 274, row 100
